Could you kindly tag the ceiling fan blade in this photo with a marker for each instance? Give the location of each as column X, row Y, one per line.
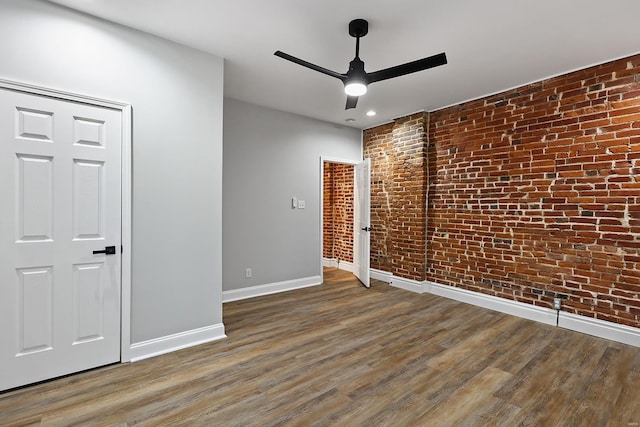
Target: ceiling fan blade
column 352, row 101
column 408, row 68
column 309, row 65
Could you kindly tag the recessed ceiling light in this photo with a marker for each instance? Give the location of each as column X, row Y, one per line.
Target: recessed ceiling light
column 350, row 120
column 371, row 113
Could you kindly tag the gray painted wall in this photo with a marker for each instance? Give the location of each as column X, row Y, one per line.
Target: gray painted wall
column 269, row 157
column 176, row 94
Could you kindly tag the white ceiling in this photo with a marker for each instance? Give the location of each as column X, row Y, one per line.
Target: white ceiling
column 491, row 45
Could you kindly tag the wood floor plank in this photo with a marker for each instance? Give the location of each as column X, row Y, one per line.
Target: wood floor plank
column 626, row 410
column 611, row 374
column 343, row 355
column 465, row 402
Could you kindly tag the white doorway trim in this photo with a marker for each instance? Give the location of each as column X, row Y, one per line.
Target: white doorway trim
column 125, row 110
column 321, row 204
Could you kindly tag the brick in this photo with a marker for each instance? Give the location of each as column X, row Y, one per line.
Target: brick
column 338, row 211
column 531, row 188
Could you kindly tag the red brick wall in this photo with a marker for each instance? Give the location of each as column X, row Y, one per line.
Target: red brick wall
column 343, row 212
column 398, row 195
column 338, row 211
column 379, row 148
column 535, row 193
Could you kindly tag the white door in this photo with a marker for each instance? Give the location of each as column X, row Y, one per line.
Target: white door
column 59, row 202
column 362, row 220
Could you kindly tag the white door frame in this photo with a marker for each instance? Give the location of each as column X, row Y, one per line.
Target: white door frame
column 125, row 110
column 321, row 204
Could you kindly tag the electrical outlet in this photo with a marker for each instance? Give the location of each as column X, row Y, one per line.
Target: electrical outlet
column 247, row 273
column 557, row 304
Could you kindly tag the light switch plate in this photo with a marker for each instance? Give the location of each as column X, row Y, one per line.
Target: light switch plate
column 300, row 204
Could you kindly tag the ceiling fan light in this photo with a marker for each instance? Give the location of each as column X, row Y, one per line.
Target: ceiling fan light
column 355, row 88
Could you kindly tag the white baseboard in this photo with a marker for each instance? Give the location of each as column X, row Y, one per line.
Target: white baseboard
column 342, row 265
column 381, row 275
column 600, row 328
column 270, row 288
column 330, row 262
column 587, row 325
column 347, row 266
column 162, row 345
column 503, row 305
column 406, row 284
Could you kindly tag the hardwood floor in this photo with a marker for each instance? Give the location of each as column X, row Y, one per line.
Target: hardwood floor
column 340, row 354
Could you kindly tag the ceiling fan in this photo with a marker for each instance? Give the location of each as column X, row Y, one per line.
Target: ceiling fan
column 357, row 79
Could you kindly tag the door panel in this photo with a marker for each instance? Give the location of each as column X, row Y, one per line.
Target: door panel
column 34, row 190
column 34, row 124
column 60, row 200
column 362, row 219
column 88, row 132
column 88, row 295
column 88, row 200
column 35, row 309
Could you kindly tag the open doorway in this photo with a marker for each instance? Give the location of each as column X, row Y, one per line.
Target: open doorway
column 337, row 215
column 345, row 217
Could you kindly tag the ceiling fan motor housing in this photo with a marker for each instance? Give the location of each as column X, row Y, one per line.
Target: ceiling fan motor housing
column 356, row 70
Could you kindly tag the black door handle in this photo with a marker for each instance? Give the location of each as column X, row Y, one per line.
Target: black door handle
column 366, row 228
column 108, row 250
